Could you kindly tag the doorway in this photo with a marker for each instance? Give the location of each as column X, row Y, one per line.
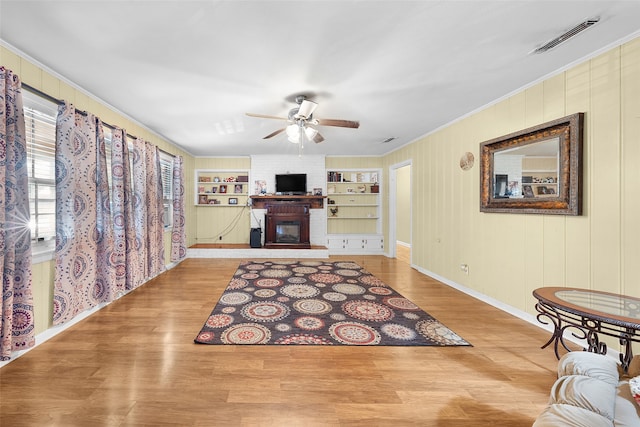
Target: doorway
column 400, row 211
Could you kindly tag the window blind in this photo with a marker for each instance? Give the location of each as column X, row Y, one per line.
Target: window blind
column 40, row 129
column 166, row 171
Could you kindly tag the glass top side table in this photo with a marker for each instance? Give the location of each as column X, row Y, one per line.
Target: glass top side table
column 587, row 314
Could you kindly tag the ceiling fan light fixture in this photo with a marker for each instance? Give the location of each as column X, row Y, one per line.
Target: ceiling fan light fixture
column 310, row 132
column 306, row 109
column 293, row 132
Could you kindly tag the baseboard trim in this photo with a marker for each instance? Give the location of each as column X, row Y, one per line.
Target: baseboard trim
column 522, row 315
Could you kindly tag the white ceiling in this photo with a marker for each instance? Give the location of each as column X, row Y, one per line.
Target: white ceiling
column 190, row 70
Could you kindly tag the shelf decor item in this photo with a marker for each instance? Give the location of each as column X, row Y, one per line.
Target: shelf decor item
column 375, row 188
column 261, row 186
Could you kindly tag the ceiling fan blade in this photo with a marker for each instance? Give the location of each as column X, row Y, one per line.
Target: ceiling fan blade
column 279, row 131
column 339, row 123
column 264, row 116
column 318, row 138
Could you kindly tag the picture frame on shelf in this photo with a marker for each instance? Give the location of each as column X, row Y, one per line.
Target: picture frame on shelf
column 203, row 199
column 213, row 202
column 317, row 191
column 214, row 189
column 233, row 200
column 261, row 186
column 237, row 188
column 223, row 188
column 527, row 191
column 204, row 179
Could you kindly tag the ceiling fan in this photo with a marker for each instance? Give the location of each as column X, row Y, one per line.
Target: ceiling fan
column 301, row 117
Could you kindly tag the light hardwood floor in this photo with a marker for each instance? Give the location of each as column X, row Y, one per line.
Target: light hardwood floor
column 134, row 363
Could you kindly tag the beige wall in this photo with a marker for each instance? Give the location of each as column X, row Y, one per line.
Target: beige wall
column 44, row 81
column 403, row 202
column 510, row 255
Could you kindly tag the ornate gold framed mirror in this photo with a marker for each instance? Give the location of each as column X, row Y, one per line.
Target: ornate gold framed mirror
column 537, row 170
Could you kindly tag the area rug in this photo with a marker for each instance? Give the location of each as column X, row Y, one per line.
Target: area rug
column 318, row 303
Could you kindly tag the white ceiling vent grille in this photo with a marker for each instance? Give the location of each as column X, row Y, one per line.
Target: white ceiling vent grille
column 566, row 36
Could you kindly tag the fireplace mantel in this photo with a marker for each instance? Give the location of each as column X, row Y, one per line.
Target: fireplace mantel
column 261, row 202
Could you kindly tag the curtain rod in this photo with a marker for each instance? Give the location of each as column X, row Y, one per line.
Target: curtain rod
column 84, row 113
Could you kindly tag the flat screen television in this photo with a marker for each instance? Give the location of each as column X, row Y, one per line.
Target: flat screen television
column 291, row 183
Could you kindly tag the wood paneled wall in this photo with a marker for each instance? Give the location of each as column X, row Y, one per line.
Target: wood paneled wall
column 510, row 255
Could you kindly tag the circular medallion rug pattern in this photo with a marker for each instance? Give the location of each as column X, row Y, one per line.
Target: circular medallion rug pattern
column 318, row 303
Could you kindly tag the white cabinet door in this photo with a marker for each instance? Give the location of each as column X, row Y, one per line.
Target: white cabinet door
column 335, row 243
column 354, row 243
column 373, row 243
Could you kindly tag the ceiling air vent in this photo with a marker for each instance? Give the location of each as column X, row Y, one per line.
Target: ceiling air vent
column 387, row 140
column 566, row 36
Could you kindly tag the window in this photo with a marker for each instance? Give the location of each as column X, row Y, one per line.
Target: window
column 40, row 128
column 166, row 173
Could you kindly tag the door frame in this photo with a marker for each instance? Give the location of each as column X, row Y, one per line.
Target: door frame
column 393, row 200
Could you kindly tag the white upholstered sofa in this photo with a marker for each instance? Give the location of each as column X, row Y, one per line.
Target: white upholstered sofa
column 590, row 392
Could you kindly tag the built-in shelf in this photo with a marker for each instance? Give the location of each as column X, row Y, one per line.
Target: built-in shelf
column 217, row 188
column 354, row 224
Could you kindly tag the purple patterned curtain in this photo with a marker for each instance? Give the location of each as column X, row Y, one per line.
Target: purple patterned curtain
column 178, row 235
column 125, row 249
column 84, row 273
column 148, row 209
column 140, row 208
column 155, row 211
column 17, row 327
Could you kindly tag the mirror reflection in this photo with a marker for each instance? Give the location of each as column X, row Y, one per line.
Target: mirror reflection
column 527, row 172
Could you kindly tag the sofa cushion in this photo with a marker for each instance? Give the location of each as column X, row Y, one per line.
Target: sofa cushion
column 634, row 387
column 585, row 392
column 590, row 364
column 558, row 414
column 627, row 411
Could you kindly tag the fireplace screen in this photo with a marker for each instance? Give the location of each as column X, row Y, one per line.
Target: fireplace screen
column 288, row 232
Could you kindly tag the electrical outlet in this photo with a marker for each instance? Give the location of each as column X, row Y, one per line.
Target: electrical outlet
column 464, row 268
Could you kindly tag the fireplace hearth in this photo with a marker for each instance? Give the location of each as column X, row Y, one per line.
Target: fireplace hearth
column 287, row 226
